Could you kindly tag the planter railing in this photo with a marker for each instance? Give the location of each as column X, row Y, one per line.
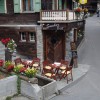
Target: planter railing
column 58, row 15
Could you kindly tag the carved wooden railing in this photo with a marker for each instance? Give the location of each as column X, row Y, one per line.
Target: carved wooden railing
column 58, row 15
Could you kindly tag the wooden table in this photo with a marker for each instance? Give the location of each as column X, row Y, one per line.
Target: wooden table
column 56, row 66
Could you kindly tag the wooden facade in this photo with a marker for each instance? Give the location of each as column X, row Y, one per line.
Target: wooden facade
column 17, row 18
column 55, row 39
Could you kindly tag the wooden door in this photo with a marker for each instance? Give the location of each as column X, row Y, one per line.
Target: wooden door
column 58, row 51
column 54, row 47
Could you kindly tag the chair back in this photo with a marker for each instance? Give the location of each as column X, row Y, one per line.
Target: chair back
column 18, row 61
column 45, row 62
column 36, row 60
column 49, row 72
column 66, row 72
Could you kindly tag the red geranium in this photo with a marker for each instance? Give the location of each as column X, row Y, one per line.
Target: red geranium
column 23, row 69
column 10, row 67
column 1, row 62
column 5, row 41
column 78, row 10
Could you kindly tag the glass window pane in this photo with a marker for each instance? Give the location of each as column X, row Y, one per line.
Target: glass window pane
column 28, row 5
column 23, row 36
column 31, row 5
column 31, row 36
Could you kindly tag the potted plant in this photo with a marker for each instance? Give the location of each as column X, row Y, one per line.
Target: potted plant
column 9, row 66
column 77, row 12
column 30, row 72
column 18, row 68
column 10, row 47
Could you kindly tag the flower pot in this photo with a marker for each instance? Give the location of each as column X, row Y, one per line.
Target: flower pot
column 8, row 55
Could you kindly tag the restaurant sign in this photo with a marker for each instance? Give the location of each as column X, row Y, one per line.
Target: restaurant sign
column 82, row 1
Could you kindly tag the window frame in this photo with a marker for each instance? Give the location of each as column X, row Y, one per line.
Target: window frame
column 21, row 39
column 30, row 40
column 28, row 36
column 5, row 3
column 25, row 11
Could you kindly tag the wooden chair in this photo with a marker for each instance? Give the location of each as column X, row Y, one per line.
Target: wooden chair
column 19, row 61
column 63, row 64
column 45, row 65
column 36, row 63
column 49, row 72
column 66, row 73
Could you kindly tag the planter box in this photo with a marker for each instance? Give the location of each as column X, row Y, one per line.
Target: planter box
column 39, row 88
column 41, row 91
column 8, row 87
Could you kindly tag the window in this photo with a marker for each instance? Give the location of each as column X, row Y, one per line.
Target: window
column 23, row 36
column 31, row 37
column 3, row 8
column 28, row 5
column 46, row 5
column 27, row 36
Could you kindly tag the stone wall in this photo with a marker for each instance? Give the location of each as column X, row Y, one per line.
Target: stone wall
column 39, row 36
column 69, row 39
column 8, row 87
column 32, row 91
column 2, row 51
column 37, row 92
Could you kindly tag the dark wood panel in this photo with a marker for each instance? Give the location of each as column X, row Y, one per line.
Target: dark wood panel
column 54, row 46
column 10, row 6
column 22, row 18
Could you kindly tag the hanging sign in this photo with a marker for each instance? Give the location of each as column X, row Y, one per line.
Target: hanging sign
column 82, row 1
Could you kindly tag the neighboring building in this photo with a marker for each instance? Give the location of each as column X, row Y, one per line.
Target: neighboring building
column 41, row 28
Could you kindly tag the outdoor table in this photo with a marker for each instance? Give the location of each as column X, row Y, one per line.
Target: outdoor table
column 29, row 62
column 56, row 66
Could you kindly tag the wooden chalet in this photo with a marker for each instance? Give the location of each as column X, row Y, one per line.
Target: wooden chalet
column 41, row 28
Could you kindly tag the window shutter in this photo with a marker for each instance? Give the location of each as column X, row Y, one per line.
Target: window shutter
column 65, row 6
column 60, row 4
column 37, row 5
column 2, row 6
column 53, row 4
column 16, row 6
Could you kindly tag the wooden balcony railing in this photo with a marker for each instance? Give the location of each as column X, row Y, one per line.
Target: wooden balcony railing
column 58, row 15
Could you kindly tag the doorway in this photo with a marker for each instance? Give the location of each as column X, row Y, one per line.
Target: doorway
column 54, row 46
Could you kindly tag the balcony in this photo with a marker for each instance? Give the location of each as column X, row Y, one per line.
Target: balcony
column 59, row 16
